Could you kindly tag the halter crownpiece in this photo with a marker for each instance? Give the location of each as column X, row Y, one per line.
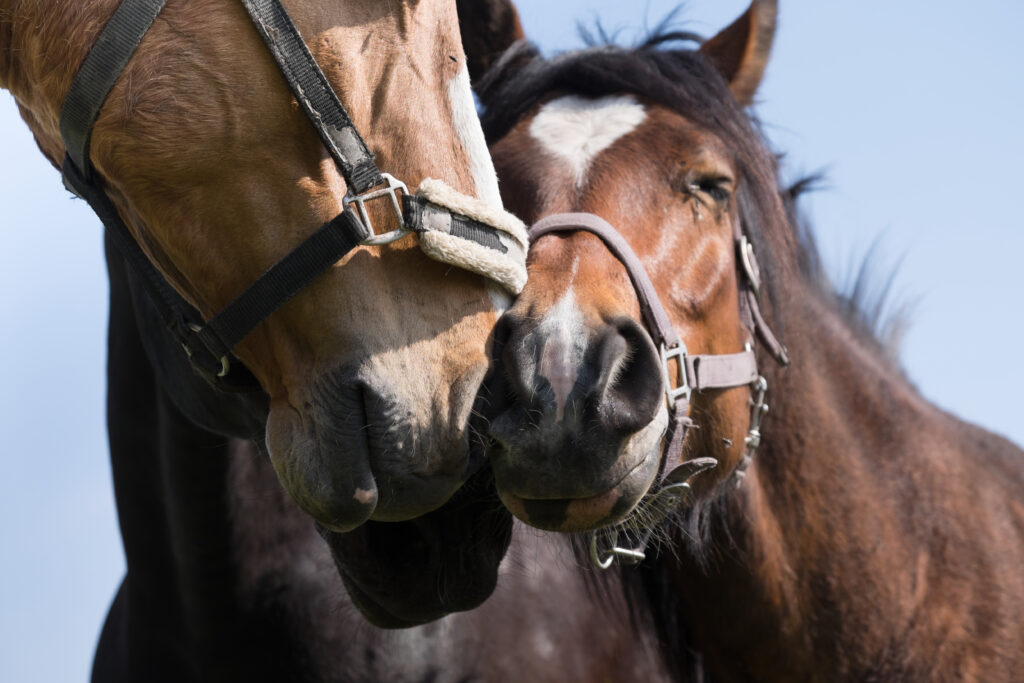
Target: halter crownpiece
column 693, row 372
column 451, row 227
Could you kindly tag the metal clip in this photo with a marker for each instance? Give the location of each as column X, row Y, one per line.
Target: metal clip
column 682, row 387
column 758, row 409
column 656, row 510
column 623, row 555
column 359, row 200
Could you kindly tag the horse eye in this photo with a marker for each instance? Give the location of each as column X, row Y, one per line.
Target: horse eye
column 716, row 188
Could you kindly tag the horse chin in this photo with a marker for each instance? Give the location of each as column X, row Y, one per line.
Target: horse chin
column 346, row 459
column 589, row 512
column 403, row 574
column 574, row 484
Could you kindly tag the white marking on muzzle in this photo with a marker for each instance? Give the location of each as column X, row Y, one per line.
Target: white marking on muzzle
column 577, row 129
column 562, row 353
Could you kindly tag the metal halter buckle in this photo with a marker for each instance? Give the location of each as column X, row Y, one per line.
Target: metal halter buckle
column 359, row 200
column 623, row 555
column 682, row 387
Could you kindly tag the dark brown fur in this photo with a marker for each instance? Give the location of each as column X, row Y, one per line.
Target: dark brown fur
column 875, row 538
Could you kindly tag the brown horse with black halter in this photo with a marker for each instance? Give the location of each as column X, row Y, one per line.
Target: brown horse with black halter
column 227, row 146
column 856, row 532
column 236, row 177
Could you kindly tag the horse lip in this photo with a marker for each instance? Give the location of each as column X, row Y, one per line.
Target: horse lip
column 408, row 573
column 554, row 512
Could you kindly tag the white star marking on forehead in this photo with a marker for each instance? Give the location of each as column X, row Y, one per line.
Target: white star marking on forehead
column 577, row 129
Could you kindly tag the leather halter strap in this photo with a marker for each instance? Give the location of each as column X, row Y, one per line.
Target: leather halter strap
column 693, row 372
column 497, row 247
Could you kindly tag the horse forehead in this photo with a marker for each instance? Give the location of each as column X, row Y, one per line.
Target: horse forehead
column 576, row 129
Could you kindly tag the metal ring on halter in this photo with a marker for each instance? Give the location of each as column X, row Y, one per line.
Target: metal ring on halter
column 225, row 364
column 389, row 190
column 626, row 555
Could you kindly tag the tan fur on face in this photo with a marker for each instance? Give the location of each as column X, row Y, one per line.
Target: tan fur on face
column 219, row 174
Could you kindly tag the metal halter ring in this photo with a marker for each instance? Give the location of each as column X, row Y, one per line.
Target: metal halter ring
column 624, row 555
column 389, row 190
column 225, row 364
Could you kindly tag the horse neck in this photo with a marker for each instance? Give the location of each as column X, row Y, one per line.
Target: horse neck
column 860, row 488
column 205, row 529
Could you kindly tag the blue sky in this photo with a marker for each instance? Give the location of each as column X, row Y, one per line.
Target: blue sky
column 912, row 108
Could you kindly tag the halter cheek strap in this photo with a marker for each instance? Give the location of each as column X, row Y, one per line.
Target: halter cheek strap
column 692, row 372
column 490, row 242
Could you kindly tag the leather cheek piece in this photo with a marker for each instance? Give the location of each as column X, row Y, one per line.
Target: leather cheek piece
column 471, row 234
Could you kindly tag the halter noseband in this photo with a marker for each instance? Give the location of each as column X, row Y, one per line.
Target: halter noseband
column 452, row 227
column 693, row 372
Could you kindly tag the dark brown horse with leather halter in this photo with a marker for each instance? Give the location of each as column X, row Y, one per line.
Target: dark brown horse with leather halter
column 873, row 537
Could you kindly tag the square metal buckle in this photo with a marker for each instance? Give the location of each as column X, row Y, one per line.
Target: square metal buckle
column 682, row 387
column 389, row 190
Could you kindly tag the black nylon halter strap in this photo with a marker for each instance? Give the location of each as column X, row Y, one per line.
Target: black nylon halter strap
column 209, row 345
column 314, row 94
column 99, row 71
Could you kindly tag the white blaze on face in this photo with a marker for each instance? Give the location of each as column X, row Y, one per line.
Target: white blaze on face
column 576, row 129
column 467, row 126
column 564, row 336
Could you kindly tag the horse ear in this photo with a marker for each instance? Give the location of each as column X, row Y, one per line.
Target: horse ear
column 488, row 28
column 740, row 52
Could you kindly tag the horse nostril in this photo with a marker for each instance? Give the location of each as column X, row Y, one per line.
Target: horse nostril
column 631, row 385
column 610, row 376
column 516, row 346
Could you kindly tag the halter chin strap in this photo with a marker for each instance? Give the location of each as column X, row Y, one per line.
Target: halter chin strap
column 452, row 227
column 692, row 372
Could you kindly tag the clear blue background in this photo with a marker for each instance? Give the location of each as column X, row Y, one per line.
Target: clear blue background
column 913, row 108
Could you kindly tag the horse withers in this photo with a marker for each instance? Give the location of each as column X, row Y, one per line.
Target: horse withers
column 856, row 532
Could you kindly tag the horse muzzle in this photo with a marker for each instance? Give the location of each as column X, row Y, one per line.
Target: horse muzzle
column 579, row 421
column 352, row 452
